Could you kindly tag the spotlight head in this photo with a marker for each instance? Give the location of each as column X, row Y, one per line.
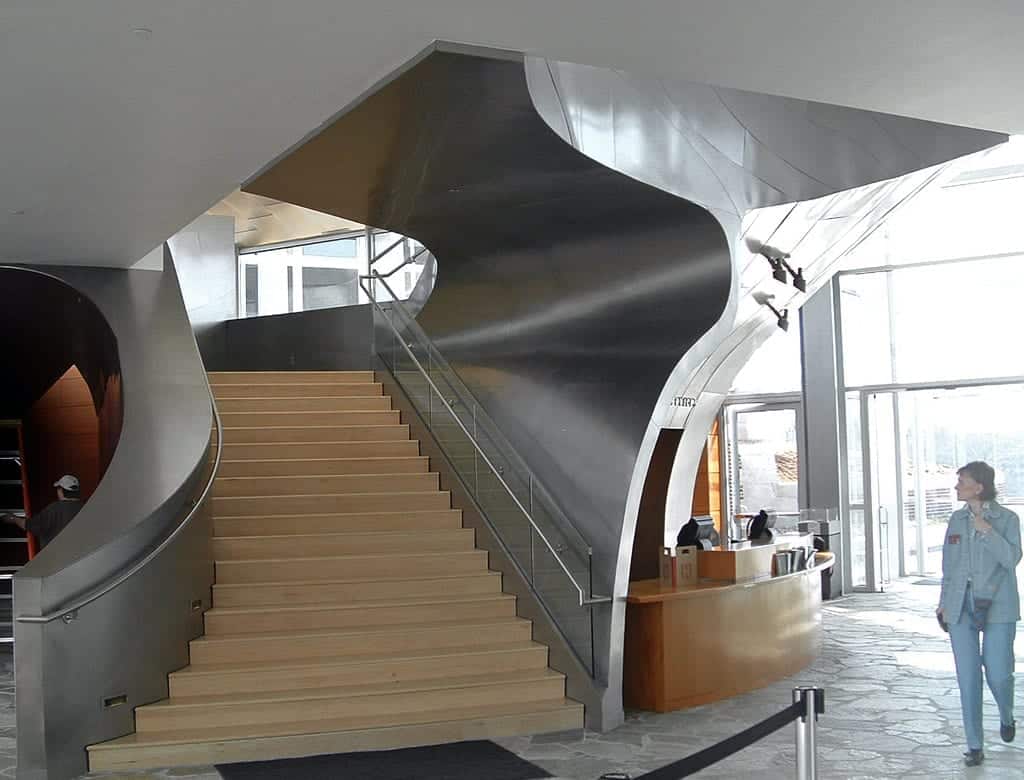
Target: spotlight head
column 798, row 280
column 784, row 320
column 754, row 245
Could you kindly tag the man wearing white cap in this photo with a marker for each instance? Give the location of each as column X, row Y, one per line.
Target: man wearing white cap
column 55, row 517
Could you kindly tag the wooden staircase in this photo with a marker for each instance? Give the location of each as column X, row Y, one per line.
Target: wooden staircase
column 351, row 610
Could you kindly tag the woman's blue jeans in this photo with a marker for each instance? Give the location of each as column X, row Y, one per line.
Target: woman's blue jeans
column 994, row 652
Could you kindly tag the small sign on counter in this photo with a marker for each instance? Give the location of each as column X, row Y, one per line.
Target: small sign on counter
column 686, row 560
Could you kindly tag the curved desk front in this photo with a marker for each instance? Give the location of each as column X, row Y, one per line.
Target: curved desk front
column 696, row 644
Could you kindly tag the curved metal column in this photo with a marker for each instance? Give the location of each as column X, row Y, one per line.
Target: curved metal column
column 583, row 232
column 70, row 673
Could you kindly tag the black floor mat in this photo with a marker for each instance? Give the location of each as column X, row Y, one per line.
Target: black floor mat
column 457, row 761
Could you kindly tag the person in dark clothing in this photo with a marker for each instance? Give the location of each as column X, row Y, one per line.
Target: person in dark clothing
column 53, row 519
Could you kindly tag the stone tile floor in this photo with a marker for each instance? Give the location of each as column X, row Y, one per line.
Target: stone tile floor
column 892, row 711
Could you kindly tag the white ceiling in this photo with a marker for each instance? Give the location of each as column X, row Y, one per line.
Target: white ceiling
column 261, row 221
column 111, row 142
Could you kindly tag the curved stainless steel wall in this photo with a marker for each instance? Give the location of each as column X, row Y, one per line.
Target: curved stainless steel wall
column 568, row 287
column 740, row 154
column 126, row 642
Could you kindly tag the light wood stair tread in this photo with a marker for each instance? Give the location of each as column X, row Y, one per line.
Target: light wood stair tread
column 303, row 664
column 381, row 556
column 353, row 477
column 355, row 631
column 293, row 374
column 364, row 582
column 335, row 495
column 303, row 397
column 306, row 427
column 397, row 513
column 446, row 715
column 371, row 458
column 356, row 605
column 262, row 413
column 347, row 443
column 386, row 535
column 360, row 689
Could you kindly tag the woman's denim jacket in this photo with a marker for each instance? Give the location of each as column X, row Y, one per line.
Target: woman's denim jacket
column 1000, row 554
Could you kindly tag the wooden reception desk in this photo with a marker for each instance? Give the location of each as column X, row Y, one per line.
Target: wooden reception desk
column 696, row 644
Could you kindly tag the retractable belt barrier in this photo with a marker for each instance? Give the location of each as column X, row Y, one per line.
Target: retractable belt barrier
column 807, row 704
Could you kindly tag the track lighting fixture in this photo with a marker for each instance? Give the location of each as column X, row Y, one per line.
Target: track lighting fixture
column 777, row 258
column 781, row 317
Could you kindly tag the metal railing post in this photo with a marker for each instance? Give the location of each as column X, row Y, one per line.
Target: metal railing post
column 806, row 734
column 476, row 460
column 533, row 552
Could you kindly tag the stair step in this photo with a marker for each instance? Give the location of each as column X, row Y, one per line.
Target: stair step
column 291, row 740
column 381, row 668
column 235, row 506
column 335, row 403
column 270, row 451
column 222, row 621
column 329, row 484
column 417, row 464
column 336, row 643
column 296, row 390
column 337, row 522
column 314, row 433
column 362, row 701
column 340, row 591
column 289, row 377
column 270, row 419
column 400, row 565
column 240, row 548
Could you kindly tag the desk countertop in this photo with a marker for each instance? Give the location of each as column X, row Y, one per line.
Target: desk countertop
column 652, row 591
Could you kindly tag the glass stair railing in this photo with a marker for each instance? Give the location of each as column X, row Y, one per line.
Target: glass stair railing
column 553, row 556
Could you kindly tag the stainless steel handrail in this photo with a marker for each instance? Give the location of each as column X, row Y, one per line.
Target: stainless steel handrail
column 584, row 600
column 400, row 266
column 68, row 612
column 380, row 255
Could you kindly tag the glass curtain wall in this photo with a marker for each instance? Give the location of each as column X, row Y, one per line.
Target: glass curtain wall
column 931, row 375
column 932, row 380
column 323, row 274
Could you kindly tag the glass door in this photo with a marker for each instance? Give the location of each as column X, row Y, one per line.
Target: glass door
column 884, row 486
column 764, row 457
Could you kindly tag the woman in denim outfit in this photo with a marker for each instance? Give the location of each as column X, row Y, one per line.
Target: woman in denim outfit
column 980, row 600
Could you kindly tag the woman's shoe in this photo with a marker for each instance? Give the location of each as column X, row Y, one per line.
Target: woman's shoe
column 1008, row 732
column 974, row 757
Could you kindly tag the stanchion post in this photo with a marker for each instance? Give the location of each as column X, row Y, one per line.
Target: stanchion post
column 813, row 701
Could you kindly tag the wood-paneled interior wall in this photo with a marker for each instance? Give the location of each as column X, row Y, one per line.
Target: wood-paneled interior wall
column 707, row 490
column 62, row 436
column 649, row 536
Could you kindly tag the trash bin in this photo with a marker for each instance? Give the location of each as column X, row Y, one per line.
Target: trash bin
column 828, row 537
